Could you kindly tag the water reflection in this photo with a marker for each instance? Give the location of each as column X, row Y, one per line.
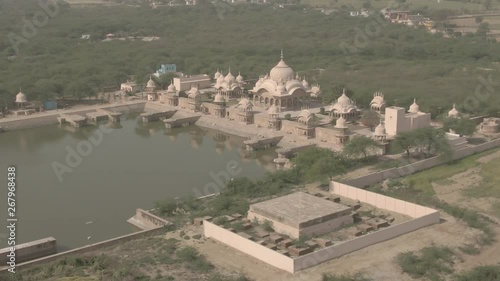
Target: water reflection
column 128, row 168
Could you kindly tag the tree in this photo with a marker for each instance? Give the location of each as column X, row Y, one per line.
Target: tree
column 461, row 126
column 359, row 146
column 320, row 163
column 432, row 141
column 479, row 19
column 405, row 141
column 370, row 119
column 166, row 206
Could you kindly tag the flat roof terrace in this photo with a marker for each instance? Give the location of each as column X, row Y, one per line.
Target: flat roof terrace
column 300, row 209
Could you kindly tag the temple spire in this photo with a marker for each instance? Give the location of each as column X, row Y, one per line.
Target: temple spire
column 281, row 54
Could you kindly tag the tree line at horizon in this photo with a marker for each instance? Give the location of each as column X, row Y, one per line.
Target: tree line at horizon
column 402, row 62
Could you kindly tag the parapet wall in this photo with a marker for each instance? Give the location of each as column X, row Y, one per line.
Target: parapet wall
column 249, row 247
column 412, row 168
column 335, row 251
column 30, row 250
column 380, row 201
column 148, row 218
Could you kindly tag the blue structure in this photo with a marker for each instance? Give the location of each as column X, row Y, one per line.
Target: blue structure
column 166, row 68
column 50, row 105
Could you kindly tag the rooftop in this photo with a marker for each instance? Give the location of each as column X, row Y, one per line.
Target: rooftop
column 300, row 209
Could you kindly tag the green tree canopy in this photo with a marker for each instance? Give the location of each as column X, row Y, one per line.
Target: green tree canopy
column 359, row 146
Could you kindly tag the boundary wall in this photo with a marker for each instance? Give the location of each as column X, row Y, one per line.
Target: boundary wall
column 412, row 168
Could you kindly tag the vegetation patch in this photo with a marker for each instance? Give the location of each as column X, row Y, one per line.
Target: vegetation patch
column 430, row 262
column 489, row 185
column 480, row 273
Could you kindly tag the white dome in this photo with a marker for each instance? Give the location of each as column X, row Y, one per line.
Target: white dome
column 239, row 78
column 378, row 100
column 281, row 71
column 219, row 98
column 171, row 88
column 414, row 108
column 315, row 91
column 305, row 84
column 220, row 79
column 343, row 100
column 21, row 98
column 217, row 74
column 340, row 123
column 151, row 84
column 229, row 77
column 453, row 112
column 379, row 130
column 273, row 109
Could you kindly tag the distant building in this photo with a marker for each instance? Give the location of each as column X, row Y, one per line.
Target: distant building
column 201, row 81
column 166, row 68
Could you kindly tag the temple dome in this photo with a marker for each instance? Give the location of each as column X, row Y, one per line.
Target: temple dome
column 344, row 100
column 239, row 78
column 378, row 100
column 21, row 98
column 220, row 79
column 171, row 88
column 281, row 72
column 414, row 108
column 305, row 84
column 229, row 77
column 217, row 74
column 151, row 84
column 453, row 112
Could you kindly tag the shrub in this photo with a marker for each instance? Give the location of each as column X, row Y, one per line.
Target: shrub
column 268, row 225
column 431, row 262
column 482, row 273
column 166, row 207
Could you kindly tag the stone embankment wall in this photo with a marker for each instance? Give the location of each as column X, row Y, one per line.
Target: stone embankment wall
column 90, row 248
column 146, row 220
column 30, row 250
column 50, row 117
